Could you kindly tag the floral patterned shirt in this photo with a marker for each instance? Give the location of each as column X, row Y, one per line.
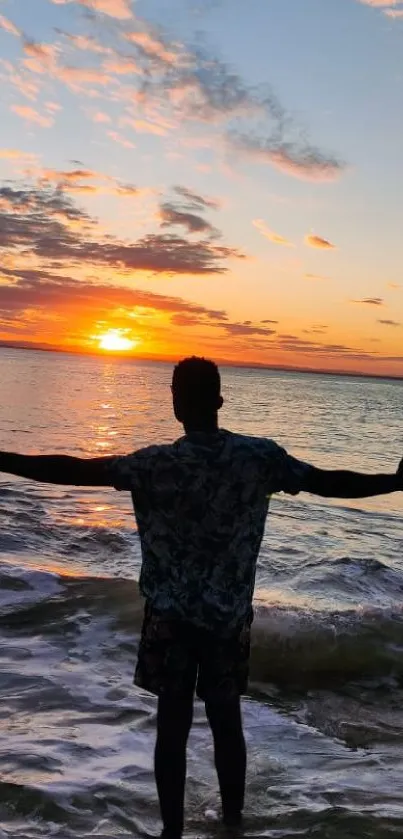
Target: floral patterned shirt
column 201, row 505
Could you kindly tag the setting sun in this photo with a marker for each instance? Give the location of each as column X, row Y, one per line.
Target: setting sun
column 115, row 341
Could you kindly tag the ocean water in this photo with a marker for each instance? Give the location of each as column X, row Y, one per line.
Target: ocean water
column 324, row 714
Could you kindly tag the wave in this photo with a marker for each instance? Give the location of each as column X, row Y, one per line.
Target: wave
column 291, row 643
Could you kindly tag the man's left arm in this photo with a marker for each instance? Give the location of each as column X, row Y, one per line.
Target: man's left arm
column 345, row 484
column 60, row 469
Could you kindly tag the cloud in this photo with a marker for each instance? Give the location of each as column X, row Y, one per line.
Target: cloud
column 121, row 66
column 44, row 290
column 298, row 159
column 53, row 107
column 144, row 126
column 16, row 154
column 45, row 53
column 314, row 277
column 381, row 4
column 316, row 329
column 201, row 88
column 64, row 177
column 394, row 286
column 49, row 226
column 9, row 26
column 100, row 117
column 165, row 85
column 220, row 321
column 388, row 7
column 153, row 47
column 270, row 234
column 31, row 115
column 186, row 212
column 171, row 216
column 248, row 328
column 304, row 347
column 76, row 77
column 122, row 141
column 202, row 318
column 317, row 242
column 370, row 301
column 194, row 200
column 78, row 181
column 120, row 9
column 386, row 322
column 87, row 43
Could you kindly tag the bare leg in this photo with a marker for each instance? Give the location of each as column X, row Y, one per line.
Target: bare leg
column 230, row 756
column 174, row 720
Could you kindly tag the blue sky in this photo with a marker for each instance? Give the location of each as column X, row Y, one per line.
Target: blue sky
column 281, row 124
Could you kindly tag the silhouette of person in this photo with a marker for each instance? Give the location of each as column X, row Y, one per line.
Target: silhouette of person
column 201, row 505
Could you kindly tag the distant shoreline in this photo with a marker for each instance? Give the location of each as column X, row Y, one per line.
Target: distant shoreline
column 4, row 345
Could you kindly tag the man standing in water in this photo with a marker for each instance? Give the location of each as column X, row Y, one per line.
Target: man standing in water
column 201, row 505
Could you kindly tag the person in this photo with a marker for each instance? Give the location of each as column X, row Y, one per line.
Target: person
column 201, row 505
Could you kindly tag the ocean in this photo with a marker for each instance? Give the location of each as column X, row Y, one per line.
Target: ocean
column 324, row 713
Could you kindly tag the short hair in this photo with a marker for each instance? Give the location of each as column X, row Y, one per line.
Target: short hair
column 196, row 381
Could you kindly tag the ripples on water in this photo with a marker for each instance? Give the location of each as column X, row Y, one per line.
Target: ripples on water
column 324, row 719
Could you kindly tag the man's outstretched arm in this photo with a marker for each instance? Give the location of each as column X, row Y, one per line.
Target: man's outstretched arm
column 59, row 469
column 344, row 484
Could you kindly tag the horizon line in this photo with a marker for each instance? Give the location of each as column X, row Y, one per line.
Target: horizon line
column 171, row 359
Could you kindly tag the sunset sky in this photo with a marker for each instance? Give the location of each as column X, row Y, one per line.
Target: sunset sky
column 216, row 177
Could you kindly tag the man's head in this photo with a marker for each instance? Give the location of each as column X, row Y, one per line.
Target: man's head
column 196, row 392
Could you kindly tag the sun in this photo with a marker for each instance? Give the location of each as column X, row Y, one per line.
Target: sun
column 114, row 340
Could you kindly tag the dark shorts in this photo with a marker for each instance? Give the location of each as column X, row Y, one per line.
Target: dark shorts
column 177, row 658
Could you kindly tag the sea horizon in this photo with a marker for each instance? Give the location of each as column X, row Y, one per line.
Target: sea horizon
column 131, row 357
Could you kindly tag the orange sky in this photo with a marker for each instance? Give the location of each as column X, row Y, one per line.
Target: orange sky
column 160, row 196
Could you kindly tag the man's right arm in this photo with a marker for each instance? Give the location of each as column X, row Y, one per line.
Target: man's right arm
column 345, row 484
column 60, row 469
column 293, row 476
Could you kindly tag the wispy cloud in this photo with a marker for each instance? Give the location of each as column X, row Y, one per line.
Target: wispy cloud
column 84, row 181
column 45, row 53
column 390, row 8
column 100, row 117
column 381, row 4
column 86, row 43
column 121, row 66
column 153, row 47
column 309, row 276
column 120, row 9
column 298, row 159
column 171, row 216
column 31, row 115
column 144, row 126
column 9, row 26
column 370, row 301
column 318, row 242
column 163, row 85
column 16, row 154
column 122, row 141
column 387, row 322
column 269, row 234
column 246, row 329
column 195, row 201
